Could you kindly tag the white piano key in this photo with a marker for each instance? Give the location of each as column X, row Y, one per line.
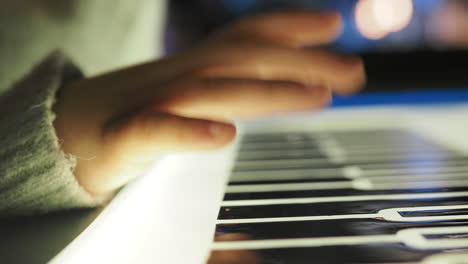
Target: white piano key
column 406, row 183
column 248, row 188
column 352, row 172
column 414, row 237
column 381, row 183
column 393, row 214
column 295, row 219
column 304, row 242
column 307, row 200
column 416, row 170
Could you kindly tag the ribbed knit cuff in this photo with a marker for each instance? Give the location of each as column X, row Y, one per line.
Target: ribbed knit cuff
column 35, row 174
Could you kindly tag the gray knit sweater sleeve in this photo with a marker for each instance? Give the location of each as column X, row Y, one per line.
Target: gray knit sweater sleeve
column 35, row 175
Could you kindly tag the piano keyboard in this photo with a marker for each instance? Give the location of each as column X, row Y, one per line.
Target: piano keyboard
column 378, row 196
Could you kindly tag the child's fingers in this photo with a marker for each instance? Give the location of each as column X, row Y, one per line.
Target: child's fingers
column 344, row 74
column 288, row 28
column 291, row 29
column 141, row 135
column 227, row 99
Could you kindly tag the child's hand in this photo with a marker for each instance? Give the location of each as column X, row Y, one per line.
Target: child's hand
column 117, row 124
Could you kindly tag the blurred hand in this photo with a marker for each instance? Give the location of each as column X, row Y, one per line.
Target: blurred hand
column 119, row 123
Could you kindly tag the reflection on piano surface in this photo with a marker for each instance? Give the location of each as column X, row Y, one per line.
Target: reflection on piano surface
column 380, row 196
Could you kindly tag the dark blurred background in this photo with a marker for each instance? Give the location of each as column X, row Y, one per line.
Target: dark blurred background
column 406, row 44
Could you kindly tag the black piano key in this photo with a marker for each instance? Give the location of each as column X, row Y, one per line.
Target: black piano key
column 331, row 193
column 326, row 228
column 446, row 236
column 330, row 208
column 443, row 212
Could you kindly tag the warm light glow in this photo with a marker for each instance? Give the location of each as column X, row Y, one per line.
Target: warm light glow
column 377, row 18
column 393, row 15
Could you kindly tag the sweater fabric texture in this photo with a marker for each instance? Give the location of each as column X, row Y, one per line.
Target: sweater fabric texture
column 44, row 45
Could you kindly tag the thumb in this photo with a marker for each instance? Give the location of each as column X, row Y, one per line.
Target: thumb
column 148, row 133
column 131, row 144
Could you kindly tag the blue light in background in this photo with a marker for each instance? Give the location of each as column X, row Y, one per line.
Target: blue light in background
column 440, row 96
column 350, row 39
column 428, row 6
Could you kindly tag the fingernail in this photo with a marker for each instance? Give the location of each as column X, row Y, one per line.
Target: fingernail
column 221, row 131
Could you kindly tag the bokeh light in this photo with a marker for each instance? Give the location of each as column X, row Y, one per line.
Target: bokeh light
column 375, row 19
